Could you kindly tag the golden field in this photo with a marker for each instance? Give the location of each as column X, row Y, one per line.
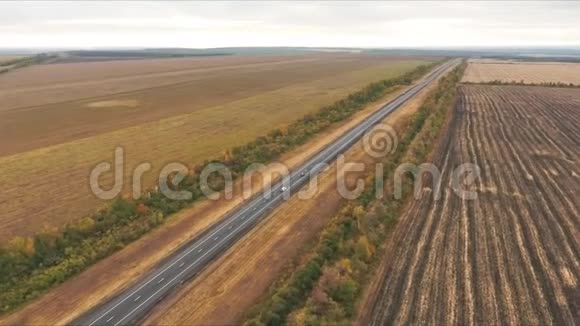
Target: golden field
column 529, row 72
column 53, row 130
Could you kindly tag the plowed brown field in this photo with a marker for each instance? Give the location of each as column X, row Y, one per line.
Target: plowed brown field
column 511, row 256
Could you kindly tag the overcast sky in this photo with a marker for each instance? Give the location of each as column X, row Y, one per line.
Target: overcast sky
column 346, row 24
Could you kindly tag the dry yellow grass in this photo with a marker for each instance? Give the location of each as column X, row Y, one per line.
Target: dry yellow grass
column 49, row 186
column 530, row 72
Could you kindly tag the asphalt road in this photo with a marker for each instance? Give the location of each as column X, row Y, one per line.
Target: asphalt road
column 132, row 304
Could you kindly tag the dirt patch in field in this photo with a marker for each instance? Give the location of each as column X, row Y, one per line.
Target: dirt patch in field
column 113, row 103
column 510, row 256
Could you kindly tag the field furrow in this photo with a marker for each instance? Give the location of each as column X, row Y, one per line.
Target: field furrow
column 510, row 256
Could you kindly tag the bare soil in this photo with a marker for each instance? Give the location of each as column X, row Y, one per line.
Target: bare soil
column 511, row 256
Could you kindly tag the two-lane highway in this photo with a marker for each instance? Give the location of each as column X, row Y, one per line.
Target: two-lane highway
column 134, row 302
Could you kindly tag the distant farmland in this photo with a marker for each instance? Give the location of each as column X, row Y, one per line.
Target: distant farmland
column 6, row 59
column 511, row 255
column 57, row 121
column 529, row 72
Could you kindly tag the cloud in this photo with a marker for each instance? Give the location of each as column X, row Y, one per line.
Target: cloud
column 237, row 23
